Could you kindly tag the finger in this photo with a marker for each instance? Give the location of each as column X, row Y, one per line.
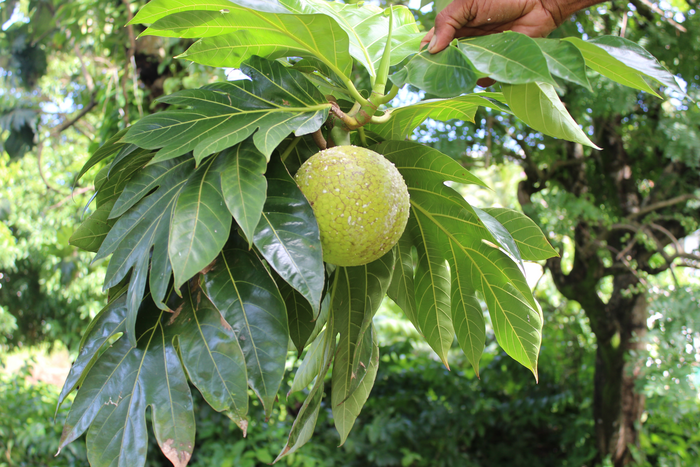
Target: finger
column 447, row 22
column 427, row 38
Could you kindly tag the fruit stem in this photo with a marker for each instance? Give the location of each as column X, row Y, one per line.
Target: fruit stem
column 288, row 150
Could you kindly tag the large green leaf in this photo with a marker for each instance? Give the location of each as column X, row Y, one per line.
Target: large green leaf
column 345, row 413
column 565, row 61
column 443, row 227
column 212, row 356
column 288, row 235
column 111, row 147
column 200, row 224
column 367, row 27
column 637, row 58
column 405, row 119
column 110, row 183
column 467, row 317
column 358, row 292
column 402, row 289
column 245, row 293
column 532, row 243
column 305, row 421
column 277, row 101
column 243, row 185
column 432, row 285
column 157, row 9
column 598, row 59
column 447, row 73
column 108, row 323
column 233, row 34
column 145, row 225
column 508, row 57
column 539, row 106
column 311, row 364
column 300, row 315
column 500, row 233
column 113, row 398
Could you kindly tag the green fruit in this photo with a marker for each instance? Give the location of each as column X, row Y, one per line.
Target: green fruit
column 360, row 202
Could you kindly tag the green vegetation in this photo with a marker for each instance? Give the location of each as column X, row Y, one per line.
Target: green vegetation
column 197, row 219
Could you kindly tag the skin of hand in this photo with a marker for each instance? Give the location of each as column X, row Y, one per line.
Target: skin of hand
column 465, row 18
column 468, row 18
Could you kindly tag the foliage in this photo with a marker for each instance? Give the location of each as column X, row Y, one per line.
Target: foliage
column 28, row 438
column 224, row 323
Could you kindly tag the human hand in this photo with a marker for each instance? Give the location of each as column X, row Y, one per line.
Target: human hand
column 465, row 18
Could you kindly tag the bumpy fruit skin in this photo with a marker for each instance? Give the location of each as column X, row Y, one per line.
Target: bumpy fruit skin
column 360, row 202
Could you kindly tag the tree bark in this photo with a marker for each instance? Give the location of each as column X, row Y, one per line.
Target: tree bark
column 617, row 406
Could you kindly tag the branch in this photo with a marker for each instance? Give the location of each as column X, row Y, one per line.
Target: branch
column 79, row 191
column 84, row 111
column 662, row 204
column 638, row 4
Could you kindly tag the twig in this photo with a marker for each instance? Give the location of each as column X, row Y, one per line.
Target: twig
column 661, row 204
column 65, row 125
column 79, row 191
column 39, row 150
column 661, row 13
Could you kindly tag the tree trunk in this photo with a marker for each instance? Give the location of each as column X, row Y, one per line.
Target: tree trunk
column 617, row 406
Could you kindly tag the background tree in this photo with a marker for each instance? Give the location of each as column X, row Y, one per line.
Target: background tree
column 618, row 215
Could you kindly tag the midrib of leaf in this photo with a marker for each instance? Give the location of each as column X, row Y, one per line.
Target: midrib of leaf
column 245, row 317
column 432, row 283
column 291, row 257
column 211, row 356
column 468, row 321
column 466, row 250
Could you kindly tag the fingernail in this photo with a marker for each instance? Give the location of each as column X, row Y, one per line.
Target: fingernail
column 432, row 44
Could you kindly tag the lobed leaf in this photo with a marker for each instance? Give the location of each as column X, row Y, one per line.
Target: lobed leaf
column 226, row 33
column 243, row 185
column 445, row 229
column 114, row 395
column 288, row 235
column 357, row 293
column 199, row 226
column 243, row 291
column 276, row 101
column 211, row 353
